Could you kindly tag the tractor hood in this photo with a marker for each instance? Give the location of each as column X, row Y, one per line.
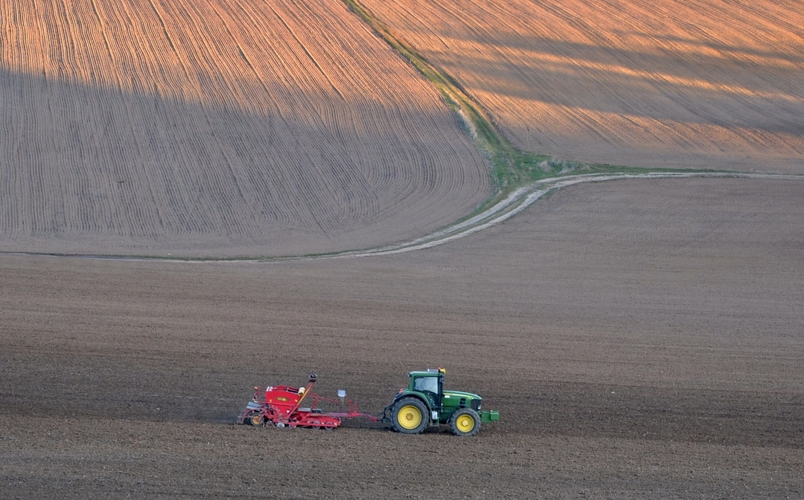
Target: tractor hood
column 449, row 394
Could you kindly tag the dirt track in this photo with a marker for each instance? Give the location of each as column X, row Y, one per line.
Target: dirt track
column 640, row 338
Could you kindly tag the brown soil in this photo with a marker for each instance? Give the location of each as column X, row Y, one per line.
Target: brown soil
column 699, row 83
column 218, row 128
column 640, row 339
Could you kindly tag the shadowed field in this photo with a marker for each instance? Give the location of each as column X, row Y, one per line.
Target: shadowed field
column 218, row 129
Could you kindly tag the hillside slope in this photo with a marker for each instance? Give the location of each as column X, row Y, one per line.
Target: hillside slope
column 703, row 83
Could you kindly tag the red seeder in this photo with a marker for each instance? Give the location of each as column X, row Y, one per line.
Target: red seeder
column 281, row 406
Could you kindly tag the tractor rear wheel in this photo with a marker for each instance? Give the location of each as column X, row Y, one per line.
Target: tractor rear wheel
column 465, row 422
column 409, row 416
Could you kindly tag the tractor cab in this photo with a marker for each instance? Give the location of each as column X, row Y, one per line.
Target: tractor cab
column 430, row 384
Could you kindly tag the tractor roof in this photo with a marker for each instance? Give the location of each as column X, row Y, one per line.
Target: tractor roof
column 430, row 372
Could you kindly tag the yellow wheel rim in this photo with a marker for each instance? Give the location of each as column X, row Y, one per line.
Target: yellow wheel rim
column 256, row 419
column 465, row 423
column 409, row 417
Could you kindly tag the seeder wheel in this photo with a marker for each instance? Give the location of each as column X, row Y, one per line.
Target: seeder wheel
column 256, row 419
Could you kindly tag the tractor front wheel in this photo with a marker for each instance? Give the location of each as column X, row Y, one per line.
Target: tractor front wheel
column 465, row 422
column 409, row 416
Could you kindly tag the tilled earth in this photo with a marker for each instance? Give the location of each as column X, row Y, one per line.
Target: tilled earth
column 640, row 339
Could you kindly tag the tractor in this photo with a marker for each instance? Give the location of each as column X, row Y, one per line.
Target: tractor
column 425, row 403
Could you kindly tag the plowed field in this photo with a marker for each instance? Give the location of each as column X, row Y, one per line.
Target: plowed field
column 702, row 83
column 641, row 339
column 150, row 127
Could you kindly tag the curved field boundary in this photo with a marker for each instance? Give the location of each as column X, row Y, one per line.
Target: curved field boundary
column 523, row 197
column 514, row 203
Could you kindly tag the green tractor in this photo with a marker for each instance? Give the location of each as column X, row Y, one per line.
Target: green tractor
column 425, row 403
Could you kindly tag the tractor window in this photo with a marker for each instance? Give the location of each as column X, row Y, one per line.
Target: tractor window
column 426, row 384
